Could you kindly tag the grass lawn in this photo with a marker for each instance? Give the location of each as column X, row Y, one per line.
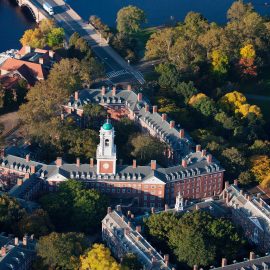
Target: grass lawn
column 261, row 87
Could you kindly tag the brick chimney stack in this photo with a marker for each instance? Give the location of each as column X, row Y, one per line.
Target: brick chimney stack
column 164, row 117
column 223, row 262
column 195, row 267
column 134, row 164
column 33, row 169
column 3, row 152
column 103, row 90
column 91, row 162
column 166, row 259
column 252, row 256
column 114, row 91
column 209, row 158
column 59, row 162
column 19, row 182
column 153, row 165
column 16, row 241
column 147, row 108
column 76, row 95
column 3, row 251
column 27, row 49
column 41, row 60
column 138, row 228
column 78, row 162
column 25, row 240
column 198, row 148
column 182, row 133
column 166, row 207
column 184, row 163
column 51, row 54
column 155, row 109
column 203, row 153
column 27, row 158
column 118, row 208
column 129, row 87
column 172, row 124
column 139, row 97
column 235, row 182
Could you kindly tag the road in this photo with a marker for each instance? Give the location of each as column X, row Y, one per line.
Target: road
column 117, row 69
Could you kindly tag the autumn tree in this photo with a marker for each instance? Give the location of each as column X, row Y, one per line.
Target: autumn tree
column 61, row 250
column 220, row 63
column 261, row 169
column 247, row 61
column 129, row 19
column 98, row 258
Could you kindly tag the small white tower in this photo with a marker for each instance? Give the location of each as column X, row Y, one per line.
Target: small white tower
column 106, row 150
column 179, row 203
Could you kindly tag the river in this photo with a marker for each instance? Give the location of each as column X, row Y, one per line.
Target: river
column 14, row 22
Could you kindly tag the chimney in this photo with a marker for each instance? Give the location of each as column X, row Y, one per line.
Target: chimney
column 27, row 158
column 25, row 240
column 41, row 60
column 78, row 162
column 223, row 262
column 76, row 95
column 51, row 53
column 147, row 108
column 27, row 49
column 33, row 169
column 19, row 182
column 252, row 256
column 166, row 207
column 132, row 216
column 103, row 90
column 153, row 165
column 155, row 109
column 195, row 267
column 3, row 251
column 138, row 228
column 126, row 230
column 198, row 148
column 134, row 164
column 129, row 213
column 153, row 210
column 16, row 241
column 109, row 210
column 91, row 162
column 129, row 223
column 27, row 176
column 139, row 97
column 235, row 182
column 166, row 259
column 59, row 162
column 129, row 88
column 227, row 184
column 182, row 133
column 261, row 202
column 114, row 91
column 184, row 163
column 3, row 152
column 164, row 117
column 118, row 208
column 138, row 238
column 209, row 158
column 203, row 153
column 172, row 124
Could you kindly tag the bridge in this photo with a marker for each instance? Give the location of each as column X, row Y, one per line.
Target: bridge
column 117, row 69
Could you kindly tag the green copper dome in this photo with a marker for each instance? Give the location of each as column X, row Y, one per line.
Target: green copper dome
column 107, row 126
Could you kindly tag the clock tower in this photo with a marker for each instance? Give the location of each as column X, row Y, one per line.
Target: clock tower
column 106, row 150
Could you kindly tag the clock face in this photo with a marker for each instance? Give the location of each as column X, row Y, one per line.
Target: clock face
column 106, row 167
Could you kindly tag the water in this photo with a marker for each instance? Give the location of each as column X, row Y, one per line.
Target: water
column 14, row 22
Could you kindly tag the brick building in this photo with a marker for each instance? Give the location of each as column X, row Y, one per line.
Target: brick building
column 122, row 237
column 197, row 176
column 16, row 254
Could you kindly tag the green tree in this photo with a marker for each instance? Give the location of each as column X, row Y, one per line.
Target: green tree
column 37, row 223
column 10, row 213
column 187, row 90
column 147, row 148
column 130, row 262
column 81, row 208
column 56, row 37
column 61, row 250
column 129, row 19
column 246, row 178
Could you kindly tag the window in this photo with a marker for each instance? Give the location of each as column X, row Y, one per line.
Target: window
column 118, row 190
column 128, row 190
column 152, row 198
column 113, row 190
column 145, row 197
column 107, row 142
column 152, row 186
column 123, row 190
